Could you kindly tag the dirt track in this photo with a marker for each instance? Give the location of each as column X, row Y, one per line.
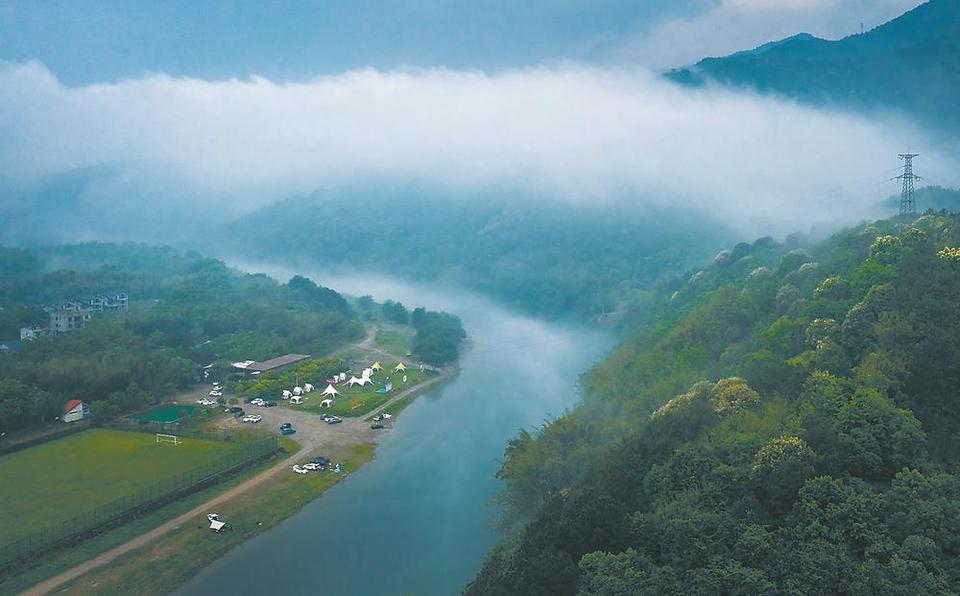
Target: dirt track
column 312, row 432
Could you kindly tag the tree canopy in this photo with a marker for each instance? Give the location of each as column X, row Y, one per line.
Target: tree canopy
column 783, row 421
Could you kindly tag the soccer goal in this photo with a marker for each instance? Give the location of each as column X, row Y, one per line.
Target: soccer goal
column 162, row 438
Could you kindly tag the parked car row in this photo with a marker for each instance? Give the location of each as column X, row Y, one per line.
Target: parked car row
column 263, row 403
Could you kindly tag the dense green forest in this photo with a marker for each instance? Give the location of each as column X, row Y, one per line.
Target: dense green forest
column 911, row 64
column 561, row 260
column 186, row 311
column 783, row 422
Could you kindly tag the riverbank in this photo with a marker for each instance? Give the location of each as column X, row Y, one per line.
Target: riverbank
column 180, row 551
column 17, row 581
column 164, row 563
column 422, row 504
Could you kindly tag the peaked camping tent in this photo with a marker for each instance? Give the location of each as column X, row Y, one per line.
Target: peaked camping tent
column 331, row 391
column 376, row 365
column 400, row 367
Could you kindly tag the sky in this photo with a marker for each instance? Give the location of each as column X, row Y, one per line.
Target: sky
column 107, row 40
column 218, row 108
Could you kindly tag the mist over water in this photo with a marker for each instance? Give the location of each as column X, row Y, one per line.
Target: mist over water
column 416, row 519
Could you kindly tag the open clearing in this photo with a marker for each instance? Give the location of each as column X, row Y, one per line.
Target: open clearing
column 62, row 479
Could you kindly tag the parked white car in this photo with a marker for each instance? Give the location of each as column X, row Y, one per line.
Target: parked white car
column 310, row 466
column 216, row 393
column 252, row 418
column 299, row 469
column 257, row 401
column 206, row 402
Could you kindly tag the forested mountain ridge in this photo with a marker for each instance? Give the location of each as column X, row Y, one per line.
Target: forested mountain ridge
column 784, row 423
column 911, row 64
column 557, row 260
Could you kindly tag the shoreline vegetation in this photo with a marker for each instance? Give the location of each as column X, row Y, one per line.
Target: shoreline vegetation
column 187, row 311
column 783, row 422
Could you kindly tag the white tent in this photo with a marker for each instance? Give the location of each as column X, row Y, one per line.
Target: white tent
column 366, row 373
column 331, row 391
column 298, row 390
column 296, row 399
column 376, row 365
column 361, row 381
column 342, row 376
column 307, row 388
column 400, row 367
column 326, row 403
column 286, row 394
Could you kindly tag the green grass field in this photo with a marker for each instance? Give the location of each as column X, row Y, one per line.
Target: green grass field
column 395, row 342
column 56, row 481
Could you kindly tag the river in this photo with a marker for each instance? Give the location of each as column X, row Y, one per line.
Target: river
column 416, row 519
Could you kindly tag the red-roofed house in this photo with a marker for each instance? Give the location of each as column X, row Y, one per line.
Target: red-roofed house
column 75, row 410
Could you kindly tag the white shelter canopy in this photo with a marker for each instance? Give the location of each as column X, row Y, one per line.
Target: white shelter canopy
column 331, row 391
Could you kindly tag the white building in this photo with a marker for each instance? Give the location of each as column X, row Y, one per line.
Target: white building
column 75, row 410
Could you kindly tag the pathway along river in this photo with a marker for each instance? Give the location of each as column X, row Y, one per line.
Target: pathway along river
column 415, row 520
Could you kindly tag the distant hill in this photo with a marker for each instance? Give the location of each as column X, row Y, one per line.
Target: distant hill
column 936, row 198
column 911, row 64
column 556, row 260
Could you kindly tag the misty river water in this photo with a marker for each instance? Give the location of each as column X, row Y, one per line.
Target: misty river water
column 416, row 519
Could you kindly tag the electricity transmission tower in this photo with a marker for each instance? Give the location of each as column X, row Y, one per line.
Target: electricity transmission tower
column 907, row 204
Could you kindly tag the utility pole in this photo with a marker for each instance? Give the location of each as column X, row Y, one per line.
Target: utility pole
column 907, row 204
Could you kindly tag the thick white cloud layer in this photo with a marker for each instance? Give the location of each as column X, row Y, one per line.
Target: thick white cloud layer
column 570, row 133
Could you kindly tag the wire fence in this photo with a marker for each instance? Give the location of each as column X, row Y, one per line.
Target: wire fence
column 251, row 448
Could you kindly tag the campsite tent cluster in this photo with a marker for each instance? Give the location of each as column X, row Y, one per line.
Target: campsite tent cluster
column 331, row 392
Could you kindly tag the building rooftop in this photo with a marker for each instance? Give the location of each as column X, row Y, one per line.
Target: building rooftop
column 276, row 362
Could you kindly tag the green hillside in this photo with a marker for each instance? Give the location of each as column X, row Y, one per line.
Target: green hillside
column 784, row 423
column 558, row 261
